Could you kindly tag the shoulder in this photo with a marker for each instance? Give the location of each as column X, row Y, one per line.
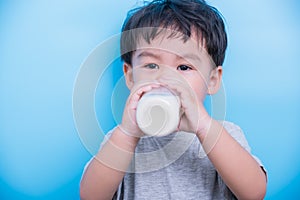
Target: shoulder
column 230, row 126
column 237, row 133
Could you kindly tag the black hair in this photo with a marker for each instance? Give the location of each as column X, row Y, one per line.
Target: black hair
column 181, row 16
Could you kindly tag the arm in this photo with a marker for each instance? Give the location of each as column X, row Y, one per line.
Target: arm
column 105, row 172
column 239, row 170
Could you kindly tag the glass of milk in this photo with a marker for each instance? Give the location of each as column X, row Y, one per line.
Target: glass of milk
column 158, row 112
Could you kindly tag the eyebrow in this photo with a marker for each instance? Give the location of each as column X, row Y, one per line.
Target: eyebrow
column 187, row 56
column 191, row 56
column 148, row 54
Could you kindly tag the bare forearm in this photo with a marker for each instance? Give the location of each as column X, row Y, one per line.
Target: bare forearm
column 105, row 172
column 239, row 170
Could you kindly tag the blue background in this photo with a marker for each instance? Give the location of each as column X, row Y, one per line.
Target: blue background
column 43, row 44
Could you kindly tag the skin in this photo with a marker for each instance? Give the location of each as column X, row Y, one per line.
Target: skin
column 187, row 70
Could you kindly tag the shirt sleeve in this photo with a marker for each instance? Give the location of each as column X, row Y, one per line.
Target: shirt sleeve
column 237, row 133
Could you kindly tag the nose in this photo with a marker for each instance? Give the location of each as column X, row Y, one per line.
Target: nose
column 165, row 71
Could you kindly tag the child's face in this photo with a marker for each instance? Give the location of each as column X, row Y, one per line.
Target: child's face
column 167, row 59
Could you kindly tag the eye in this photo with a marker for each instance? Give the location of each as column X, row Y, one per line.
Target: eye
column 152, row 66
column 184, row 68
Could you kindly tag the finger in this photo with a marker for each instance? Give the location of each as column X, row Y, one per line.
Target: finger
column 182, row 89
column 139, row 90
column 179, row 86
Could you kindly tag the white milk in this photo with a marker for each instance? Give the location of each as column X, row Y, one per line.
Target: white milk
column 158, row 112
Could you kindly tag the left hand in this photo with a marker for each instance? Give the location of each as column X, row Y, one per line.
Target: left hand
column 194, row 118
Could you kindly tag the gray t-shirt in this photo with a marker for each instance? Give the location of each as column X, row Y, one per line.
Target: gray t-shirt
column 175, row 167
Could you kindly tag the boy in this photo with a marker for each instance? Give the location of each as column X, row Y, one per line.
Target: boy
column 178, row 44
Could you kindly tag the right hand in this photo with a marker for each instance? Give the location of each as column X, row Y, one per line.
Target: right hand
column 129, row 125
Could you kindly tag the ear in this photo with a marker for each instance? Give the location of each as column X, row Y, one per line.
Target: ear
column 215, row 80
column 127, row 69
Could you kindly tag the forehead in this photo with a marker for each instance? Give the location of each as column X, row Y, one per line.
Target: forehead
column 166, row 42
column 175, row 45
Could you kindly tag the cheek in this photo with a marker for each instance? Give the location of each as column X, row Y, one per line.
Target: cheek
column 143, row 75
column 199, row 86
